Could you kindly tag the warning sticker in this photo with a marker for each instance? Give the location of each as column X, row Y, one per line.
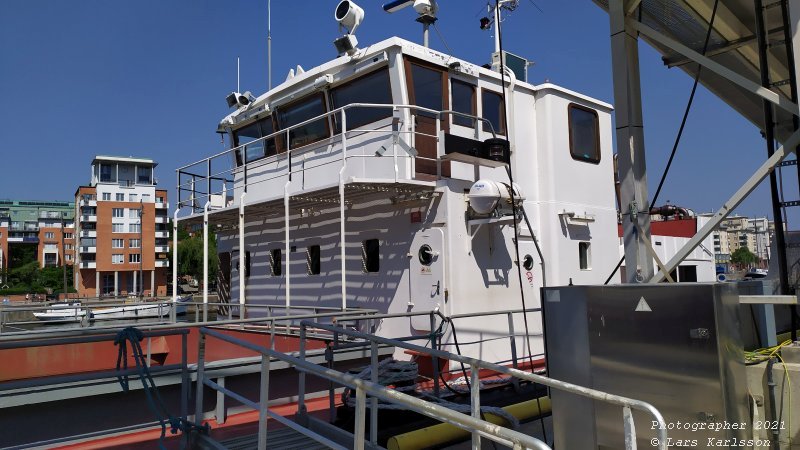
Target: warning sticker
column 642, row 305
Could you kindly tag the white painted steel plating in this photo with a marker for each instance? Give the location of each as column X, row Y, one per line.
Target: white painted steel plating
column 242, row 286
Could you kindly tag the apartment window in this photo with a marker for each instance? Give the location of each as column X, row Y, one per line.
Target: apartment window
column 69, row 257
column 50, row 247
column 117, row 243
column 134, row 258
column 49, row 235
column 68, row 236
column 135, row 243
column 133, row 197
column 134, row 213
column 120, row 197
column 370, row 255
column 371, row 88
column 584, row 133
column 275, row 262
column 118, row 212
column 134, row 227
column 159, row 199
column 144, row 174
column 298, row 112
column 585, row 255
column 117, row 227
column 145, row 198
column 106, row 196
column 69, row 247
column 313, row 260
column 493, row 111
column 117, row 258
column 463, row 102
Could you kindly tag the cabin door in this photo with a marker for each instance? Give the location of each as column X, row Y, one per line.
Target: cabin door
column 427, row 87
column 426, row 275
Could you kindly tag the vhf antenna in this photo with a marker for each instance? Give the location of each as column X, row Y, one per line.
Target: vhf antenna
column 426, row 9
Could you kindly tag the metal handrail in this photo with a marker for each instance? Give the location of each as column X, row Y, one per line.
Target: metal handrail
column 626, row 403
column 363, row 388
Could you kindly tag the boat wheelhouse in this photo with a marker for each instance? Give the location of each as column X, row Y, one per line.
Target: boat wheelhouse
column 381, row 180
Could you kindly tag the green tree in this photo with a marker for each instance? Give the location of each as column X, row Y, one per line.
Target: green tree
column 190, row 257
column 743, row 257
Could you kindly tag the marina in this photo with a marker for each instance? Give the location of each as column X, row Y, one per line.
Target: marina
column 411, row 250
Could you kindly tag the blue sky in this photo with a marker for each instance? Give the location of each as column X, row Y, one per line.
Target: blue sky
column 149, row 78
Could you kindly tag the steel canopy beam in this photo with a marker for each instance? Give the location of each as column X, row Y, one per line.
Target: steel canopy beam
column 762, row 172
column 715, row 67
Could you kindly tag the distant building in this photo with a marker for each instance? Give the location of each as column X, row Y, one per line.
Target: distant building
column 47, row 225
column 122, row 225
column 736, row 232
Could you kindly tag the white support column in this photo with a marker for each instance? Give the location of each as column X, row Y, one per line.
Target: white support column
column 97, row 289
column 242, row 286
column 205, row 261
column 152, row 283
column 135, row 281
column 175, row 255
column 634, row 200
column 116, row 283
column 342, row 240
column 287, row 246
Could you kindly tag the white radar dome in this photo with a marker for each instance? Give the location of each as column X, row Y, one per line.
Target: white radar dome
column 485, row 196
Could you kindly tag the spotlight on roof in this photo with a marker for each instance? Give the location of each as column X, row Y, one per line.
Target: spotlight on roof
column 239, row 100
column 349, row 15
column 485, row 23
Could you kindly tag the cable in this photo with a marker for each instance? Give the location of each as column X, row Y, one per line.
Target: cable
column 683, row 121
column 514, row 212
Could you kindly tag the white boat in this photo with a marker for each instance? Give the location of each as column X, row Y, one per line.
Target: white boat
column 75, row 312
column 62, row 312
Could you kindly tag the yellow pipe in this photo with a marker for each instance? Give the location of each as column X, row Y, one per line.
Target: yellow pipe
column 444, row 432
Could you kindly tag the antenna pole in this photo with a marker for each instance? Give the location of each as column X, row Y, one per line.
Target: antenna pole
column 497, row 28
column 237, row 75
column 269, row 43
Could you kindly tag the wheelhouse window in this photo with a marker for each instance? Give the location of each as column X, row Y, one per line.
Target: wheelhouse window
column 298, row 112
column 255, row 150
column 426, row 88
column 463, row 102
column 371, row 88
column 493, row 111
column 584, row 134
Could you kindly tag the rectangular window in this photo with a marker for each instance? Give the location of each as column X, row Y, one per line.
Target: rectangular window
column 313, row 260
column 253, row 132
column 69, row 257
column 49, row 235
column 69, row 247
column 134, row 258
column 50, row 247
column 371, row 88
column 134, row 227
column 120, row 197
column 69, row 236
column 300, row 111
column 117, row 228
column 585, row 255
column 159, row 199
column 106, row 196
column 134, row 213
column 105, row 174
column 134, row 243
column 118, row 212
column 133, row 197
column 144, row 174
column 584, row 133
column 463, row 102
column 370, row 255
column 427, row 88
column 493, row 111
column 275, row 262
column 145, row 198
column 117, row 243
column 117, row 258
column 687, row 274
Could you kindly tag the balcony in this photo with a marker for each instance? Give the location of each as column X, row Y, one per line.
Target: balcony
column 162, row 205
column 162, row 248
column 87, row 249
column 162, row 263
column 162, row 234
column 88, row 202
column 162, row 219
column 89, row 233
column 89, row 218
column 88, row 264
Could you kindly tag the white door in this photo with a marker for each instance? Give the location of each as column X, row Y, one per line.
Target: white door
column 426, row 278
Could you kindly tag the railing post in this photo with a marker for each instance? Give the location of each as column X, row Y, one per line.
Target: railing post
column 198, row 396
column 438, row 147
column 513, row 338
column 361, row 405
column 373, row 407
column 434, row 358
column 630, row 428
column 475, row 401
column 184, row 385
column 342, row 237
column 301, row 382
column 263, row 403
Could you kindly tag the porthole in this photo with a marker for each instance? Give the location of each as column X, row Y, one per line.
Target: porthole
column 426, row 255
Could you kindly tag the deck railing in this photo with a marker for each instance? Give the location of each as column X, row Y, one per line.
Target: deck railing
column 213, row 179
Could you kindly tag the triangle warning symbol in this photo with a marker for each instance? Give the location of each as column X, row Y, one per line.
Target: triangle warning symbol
column 642, row 305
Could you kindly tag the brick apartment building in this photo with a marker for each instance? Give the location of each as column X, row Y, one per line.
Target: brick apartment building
column 47, row 225
column 122, row 226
